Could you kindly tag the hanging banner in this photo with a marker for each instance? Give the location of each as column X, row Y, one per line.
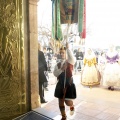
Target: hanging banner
column 69, row 11
column 83, row 34
column 80, row 16
column 56, row 20
column 53, row 19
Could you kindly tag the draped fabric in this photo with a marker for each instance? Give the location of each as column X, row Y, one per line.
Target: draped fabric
column 83, row 33
column 68, row 12
column 80, row 16
column 53, row 19
column 56, row 20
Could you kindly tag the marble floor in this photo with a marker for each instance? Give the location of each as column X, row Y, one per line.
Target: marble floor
column 96, row 103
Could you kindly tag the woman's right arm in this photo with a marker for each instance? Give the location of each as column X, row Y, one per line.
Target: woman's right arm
column 57, row 70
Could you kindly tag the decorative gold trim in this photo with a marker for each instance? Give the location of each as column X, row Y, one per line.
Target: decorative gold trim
column 90, row 84
column 12, row 67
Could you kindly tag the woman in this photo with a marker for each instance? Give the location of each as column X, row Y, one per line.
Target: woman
column 65, row 89
column 42, row 67
column 101, row 64
column 89, row 75
column 111, row 77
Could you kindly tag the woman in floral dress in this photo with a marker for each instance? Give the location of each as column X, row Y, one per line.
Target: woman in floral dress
column 111, row 77
column 89, row 75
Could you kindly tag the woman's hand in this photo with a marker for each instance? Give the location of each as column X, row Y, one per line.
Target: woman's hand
column 64, row 66
column 59, row 65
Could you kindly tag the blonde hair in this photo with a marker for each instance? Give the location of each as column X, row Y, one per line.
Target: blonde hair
column 87, row 55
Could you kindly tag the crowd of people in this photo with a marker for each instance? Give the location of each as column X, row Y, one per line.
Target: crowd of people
column 94, row 69
column 101, row 69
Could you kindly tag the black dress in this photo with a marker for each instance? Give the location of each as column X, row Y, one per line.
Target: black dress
column 42, row 66
column 70, row 87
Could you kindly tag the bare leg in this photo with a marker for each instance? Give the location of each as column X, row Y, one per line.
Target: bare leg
column 62, row 108
column 70, row 103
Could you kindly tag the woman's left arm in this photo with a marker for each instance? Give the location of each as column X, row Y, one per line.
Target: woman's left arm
column 71, row 58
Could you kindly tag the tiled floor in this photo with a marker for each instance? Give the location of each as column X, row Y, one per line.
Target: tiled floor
column 95, row 103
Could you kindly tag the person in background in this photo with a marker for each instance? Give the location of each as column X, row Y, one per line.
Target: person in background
column 89, row 76
column 118, row 50
column 111, row 75
column 42, row 67
column 65, row 89
column 46, row 72
column 101, row 64
column 50, row 56
column 97, row 56
column 79, row 60
column 58, row 56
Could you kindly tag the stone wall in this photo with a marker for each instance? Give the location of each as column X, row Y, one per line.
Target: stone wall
column 33, row 31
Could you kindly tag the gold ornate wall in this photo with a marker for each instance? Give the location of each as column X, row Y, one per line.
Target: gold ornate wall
column 12, row 59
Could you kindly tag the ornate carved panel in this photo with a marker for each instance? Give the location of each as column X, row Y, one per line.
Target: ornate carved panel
column 12, row 76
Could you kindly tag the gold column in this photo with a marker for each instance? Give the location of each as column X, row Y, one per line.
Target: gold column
column 12, row 69
column 18, row 58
